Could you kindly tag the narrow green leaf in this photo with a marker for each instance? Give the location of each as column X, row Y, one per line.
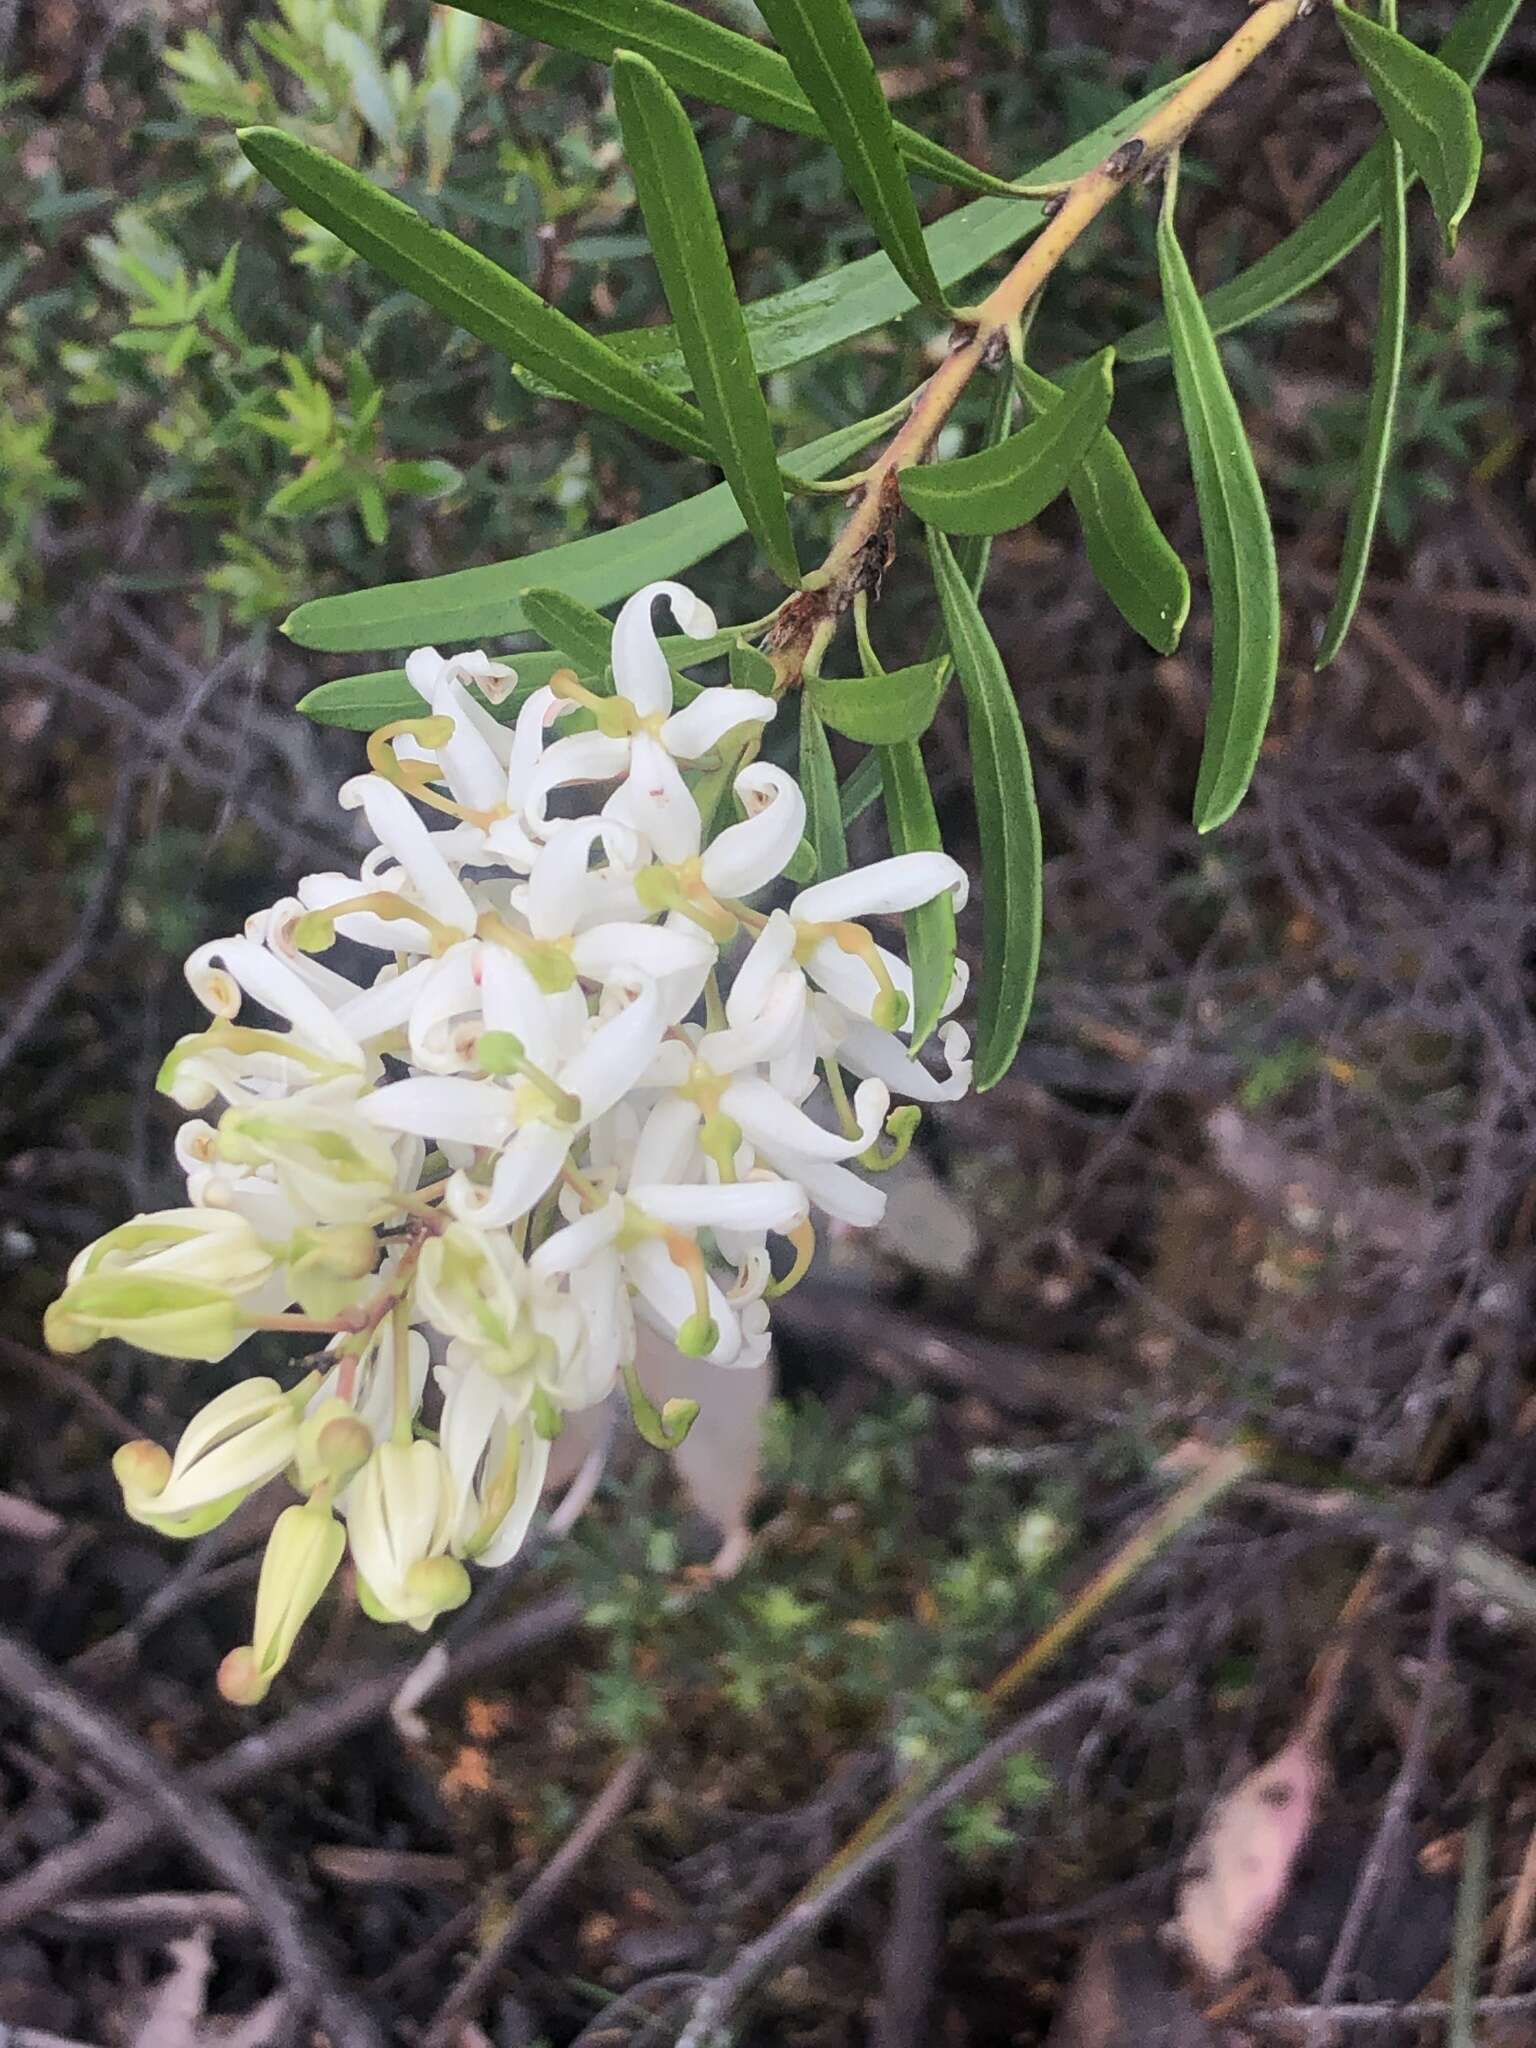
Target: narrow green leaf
column 481, row 604
column 835, row 71
column 572, row 628
column 913, row 825
column 1239, row 547
column 1344, row 218
column 689, row 250
column 818, row 782
column 1128, row 550
column 1381, row 418
column 860, row 790
column 363, row 702
column 974, row 554
column 1429, row 110
column 1000, row 488
column 471, row 290
column 1008, row 820
column 896, row 772
column 708, row 62
column 792, row 326
column 876, row 710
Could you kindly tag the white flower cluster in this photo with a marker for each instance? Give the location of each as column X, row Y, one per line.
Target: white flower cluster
column 566, row 1075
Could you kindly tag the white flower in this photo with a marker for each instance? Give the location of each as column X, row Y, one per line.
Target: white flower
column 648, row 739
column 531, row 1125
column 635, row 1086
column 496, row 1460
column 400, row 1514
column 300, row 1560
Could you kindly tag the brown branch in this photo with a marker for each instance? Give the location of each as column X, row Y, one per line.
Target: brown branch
column 306, row 1733
column 470, row 1993
column 760, row 1958
column 984, row 334
column 206, row 1829
column 1391, row 1829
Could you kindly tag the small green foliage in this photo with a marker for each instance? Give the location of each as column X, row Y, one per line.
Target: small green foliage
column 868, row 1604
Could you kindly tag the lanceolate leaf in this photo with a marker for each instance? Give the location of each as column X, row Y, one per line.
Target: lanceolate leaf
column 1008, row 821
column 1343, row 220
column 572, row 628
column 1239, row 548
column 876, row 710
column 835, row 71
column 1004, row 487
column 471, row 290
column 974, row 554
column 792, row 326
column 913, row 826
column 860, row 790
column 1386, row 377
column 689, row 249
column 706, row 61
column 363, row 702
column 1128, row 550
column 478, row 604
column 818, row 781
column 1429, row 110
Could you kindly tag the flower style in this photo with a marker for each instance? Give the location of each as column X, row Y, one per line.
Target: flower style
column 565, row 1078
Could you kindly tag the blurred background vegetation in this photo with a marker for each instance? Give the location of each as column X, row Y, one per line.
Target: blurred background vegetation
column 1268, row 1155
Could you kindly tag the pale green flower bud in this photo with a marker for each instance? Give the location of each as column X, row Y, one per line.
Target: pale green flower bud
column 244, row 1437
column 400, row 1513
column 167, row 1282
column 334, row 1443
column 214, row 1247
column 177, row 1318
column 329, row 1162
column 327, row 1266
column 305, row 1547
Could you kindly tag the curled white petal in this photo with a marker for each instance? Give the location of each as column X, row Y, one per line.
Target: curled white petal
column 578, row 758
column 777, row 1127
column 901, row 883
column 621, row 951
column 640, row 670
column 396, row 825
column 840, row 1194
column 523, row 1174
column 747, row 857
column 617, row 1054
column 274, row 984
column 447, row 1107
column 704, row 723
column 868, row 1051
column 562, row 888
column 740, row 1205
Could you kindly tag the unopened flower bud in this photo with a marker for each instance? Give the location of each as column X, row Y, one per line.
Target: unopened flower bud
column 303, row 1551
column 177, row 1318
column 327, row 1263
column 216, row 1248
column 399, row 1520
column 240, row 1440
column 332, row 1447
